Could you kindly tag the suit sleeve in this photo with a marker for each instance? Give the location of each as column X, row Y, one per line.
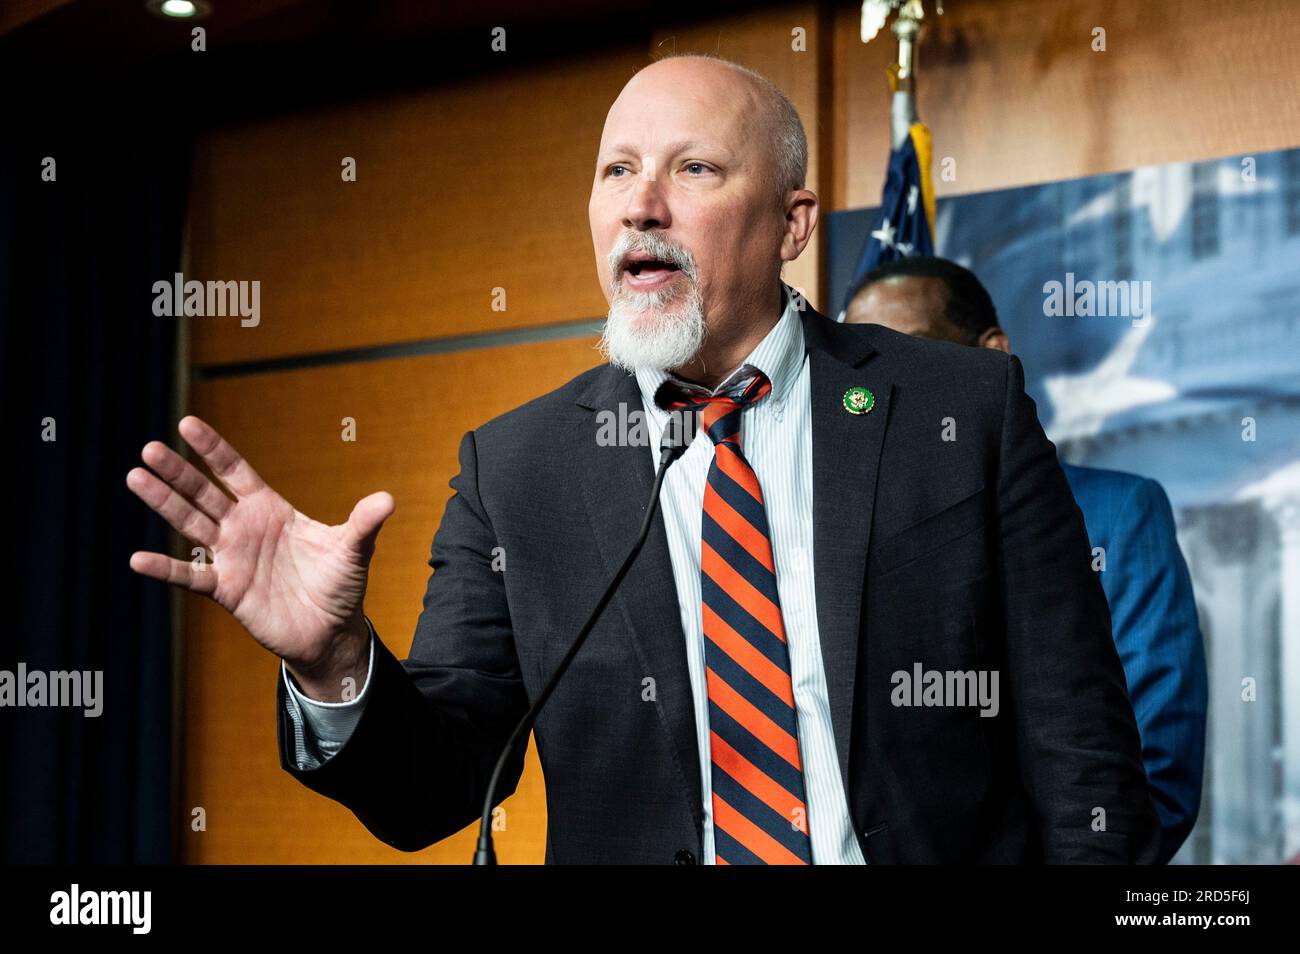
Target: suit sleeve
column 1077, row 739
column 1160, row 645
column 416, row 767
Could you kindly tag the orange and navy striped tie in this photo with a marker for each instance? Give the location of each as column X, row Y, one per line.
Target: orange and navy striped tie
column 759, row 811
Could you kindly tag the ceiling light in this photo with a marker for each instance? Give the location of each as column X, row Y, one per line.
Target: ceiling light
column 179, row 9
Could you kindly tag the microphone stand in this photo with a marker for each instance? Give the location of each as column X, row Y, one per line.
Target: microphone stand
column 677, row 436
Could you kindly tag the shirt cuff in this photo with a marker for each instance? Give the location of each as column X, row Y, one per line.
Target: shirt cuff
column 331, row 722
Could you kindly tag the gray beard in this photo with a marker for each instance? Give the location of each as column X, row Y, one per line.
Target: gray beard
column 659, row 330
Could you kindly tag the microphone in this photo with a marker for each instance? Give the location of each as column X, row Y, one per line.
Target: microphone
column 678, row 435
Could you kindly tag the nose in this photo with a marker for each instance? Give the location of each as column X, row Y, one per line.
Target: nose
column 646, row 207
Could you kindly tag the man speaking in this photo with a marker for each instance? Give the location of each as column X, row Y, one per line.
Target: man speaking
column 787, row 673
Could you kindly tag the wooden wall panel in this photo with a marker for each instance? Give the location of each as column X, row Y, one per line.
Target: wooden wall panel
column 459, row 190
column 410, row 414
column 1014, row 92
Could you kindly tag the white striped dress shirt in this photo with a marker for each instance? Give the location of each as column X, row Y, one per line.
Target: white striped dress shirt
column 776, row 437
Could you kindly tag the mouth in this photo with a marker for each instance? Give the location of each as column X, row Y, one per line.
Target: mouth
column 647, row 273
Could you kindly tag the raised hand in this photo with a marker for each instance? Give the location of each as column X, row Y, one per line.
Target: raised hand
column 297, row 585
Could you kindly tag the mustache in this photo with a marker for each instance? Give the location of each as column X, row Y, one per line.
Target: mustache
column 654, row 245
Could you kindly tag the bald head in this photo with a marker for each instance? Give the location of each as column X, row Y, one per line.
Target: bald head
column 765, row 111
column 698, row 200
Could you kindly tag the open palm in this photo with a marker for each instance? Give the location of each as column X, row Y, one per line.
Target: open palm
column 294, row 583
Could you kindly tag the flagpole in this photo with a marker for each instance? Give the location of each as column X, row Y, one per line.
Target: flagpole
column 902, row 78
column 906, row 27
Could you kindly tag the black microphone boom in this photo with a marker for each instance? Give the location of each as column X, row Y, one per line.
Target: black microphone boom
column 678, row 434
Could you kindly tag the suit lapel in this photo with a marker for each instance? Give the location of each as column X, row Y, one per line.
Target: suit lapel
column 846, row 457
column 616, row 485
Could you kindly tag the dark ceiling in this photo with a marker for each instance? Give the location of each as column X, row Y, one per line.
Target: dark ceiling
column 104, row 62
column 123, row 31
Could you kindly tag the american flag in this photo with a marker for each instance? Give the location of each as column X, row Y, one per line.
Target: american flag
column 905, row 225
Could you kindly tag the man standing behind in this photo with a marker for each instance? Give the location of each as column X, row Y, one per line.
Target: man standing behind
column 1153, row 612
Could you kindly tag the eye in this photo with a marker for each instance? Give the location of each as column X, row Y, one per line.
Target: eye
column 690, row 166
column 615, row 168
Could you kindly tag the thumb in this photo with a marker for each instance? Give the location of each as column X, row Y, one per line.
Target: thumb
column 367, row 518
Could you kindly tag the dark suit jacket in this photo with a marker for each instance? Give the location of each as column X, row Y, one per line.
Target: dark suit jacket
column 958, row 554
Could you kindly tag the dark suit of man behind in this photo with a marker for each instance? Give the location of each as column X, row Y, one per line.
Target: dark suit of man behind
column 965, row 554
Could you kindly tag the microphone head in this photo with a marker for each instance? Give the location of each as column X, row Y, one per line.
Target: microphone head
column 679, row 432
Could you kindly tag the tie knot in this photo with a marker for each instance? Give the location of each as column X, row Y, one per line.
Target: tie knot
column 719, row 413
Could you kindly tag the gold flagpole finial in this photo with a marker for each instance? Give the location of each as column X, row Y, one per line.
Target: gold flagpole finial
column 908, row 15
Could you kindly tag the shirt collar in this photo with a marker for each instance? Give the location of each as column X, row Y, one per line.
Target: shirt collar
column 779, row 355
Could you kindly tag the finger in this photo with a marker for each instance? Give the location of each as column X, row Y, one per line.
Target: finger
column 367, row 518
column 172, row 507
column 186, row 479
column 179, row 572
column 224, row 460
